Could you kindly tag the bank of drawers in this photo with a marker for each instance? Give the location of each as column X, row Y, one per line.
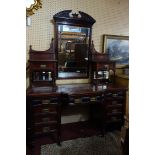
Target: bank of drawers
column 46, row 115
column 114, row 103
column 44, row 112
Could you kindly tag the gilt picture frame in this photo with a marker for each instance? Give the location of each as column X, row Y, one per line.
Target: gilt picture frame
column 31, row 6
column 117, row 47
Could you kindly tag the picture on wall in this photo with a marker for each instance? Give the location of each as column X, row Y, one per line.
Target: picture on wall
column 117, row 47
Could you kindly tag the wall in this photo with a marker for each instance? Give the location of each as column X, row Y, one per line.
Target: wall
column 112, row 17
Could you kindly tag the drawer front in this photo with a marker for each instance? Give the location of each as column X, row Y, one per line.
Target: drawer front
column 45, row 118
column 85, row 99
column 113, row 118
column 54, row 101
column 45, row 129
column 113, row 103
column 114, row 94
column 114, row 109
column 42, row 65
column 44, row 109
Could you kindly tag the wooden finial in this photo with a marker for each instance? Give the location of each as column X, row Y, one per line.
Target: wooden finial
column 30, row 47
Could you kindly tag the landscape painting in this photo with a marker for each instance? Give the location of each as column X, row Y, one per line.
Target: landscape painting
column 117, row 47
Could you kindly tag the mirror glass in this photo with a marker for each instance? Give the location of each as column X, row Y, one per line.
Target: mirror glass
column 73, row 49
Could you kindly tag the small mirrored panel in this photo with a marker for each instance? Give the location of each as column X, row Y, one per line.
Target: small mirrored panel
column 73, row 42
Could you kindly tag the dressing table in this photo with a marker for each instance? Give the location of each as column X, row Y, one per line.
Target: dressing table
column 46, row 99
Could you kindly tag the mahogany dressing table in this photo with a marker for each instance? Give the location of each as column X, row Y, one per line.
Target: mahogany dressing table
column 46, row 99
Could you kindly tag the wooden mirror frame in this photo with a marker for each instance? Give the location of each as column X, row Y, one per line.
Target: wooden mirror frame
column 82, row 19
column 35, row 6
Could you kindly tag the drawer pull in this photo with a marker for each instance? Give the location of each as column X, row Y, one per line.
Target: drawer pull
column 114, row 95
column 45, row 110
column 85, row 99
column 46, row 129
column 42, row 66
column 115, row 110
column 114, row 102
column 45, row 101
column 54, row 100
column 113, row 118
column 77, row 100
column 46, row 119
column 93, row 99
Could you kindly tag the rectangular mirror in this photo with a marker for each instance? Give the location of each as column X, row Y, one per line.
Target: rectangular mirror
column 72, row 51
column 73, row 33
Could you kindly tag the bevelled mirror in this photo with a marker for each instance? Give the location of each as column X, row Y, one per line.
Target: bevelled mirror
column 73, row 38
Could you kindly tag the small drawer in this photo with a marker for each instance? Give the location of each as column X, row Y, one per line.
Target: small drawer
column 114, row 110
column 114, row 106
column 45, row 129
column 77, row 100
column 85, row 99
column 71, row 99
column 96, row 99
column 114, row 113
column 45, row 118
column 36, row 102
column 44, row 109
column 117, row 94
column 42, row 65
column 111, row 119
column 113, row 103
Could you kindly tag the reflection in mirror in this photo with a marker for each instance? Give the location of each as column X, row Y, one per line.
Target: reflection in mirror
column 73, row 39
column 73, row 51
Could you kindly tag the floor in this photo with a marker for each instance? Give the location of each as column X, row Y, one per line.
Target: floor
column 69, row 131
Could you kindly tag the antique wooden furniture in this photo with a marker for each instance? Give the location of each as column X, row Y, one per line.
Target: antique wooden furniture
column 45, row 103
column 42, row 67
column 46, row 100
column 73, row 39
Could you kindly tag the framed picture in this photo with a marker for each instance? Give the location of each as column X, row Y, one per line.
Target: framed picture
column 118, row 48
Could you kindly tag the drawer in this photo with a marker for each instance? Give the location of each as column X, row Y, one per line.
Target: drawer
column 113, row 118
column 114, row 113
column 79, row 99
column 114, row 94
column 113, row 103
column 47, row 101
column 45, row 118
column 43, row 65
column 114, row 110
column 85, row 99
column 44, row 109
column 45, row 129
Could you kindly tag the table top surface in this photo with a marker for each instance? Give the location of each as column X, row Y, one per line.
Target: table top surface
column 74, row 89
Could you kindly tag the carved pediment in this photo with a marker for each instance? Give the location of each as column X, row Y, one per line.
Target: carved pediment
column 82, row 17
